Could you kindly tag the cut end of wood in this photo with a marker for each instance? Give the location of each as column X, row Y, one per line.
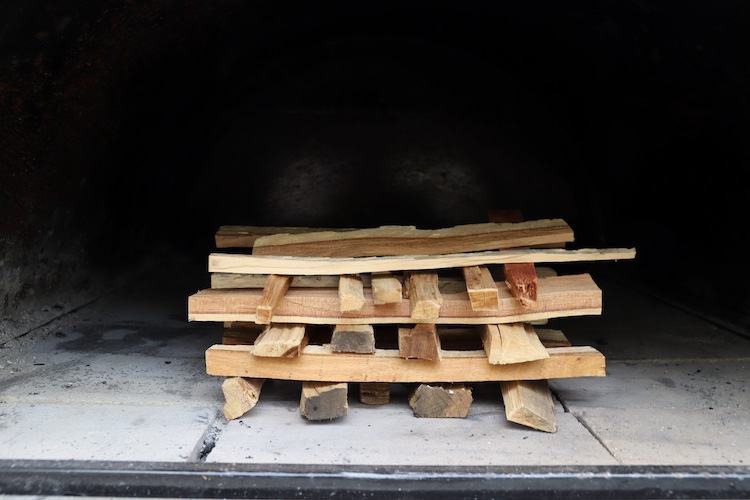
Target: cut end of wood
column 521, row 280
column 374, row 393
column 324, row 400
column 241, row 395
column 420, row 342
column 353, row 338
column 529, row 403
column 351, row 293
column 441, row 401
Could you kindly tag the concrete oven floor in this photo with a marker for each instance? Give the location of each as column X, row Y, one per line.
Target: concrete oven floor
column 123, row 379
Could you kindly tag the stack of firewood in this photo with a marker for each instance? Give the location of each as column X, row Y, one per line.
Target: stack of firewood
column 396, row 304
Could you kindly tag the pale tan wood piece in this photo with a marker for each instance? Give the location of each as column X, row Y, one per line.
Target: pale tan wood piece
column 441, row 400
column 296, row 266
column 419, row 342
column 407, row 240
column 324, row 400
column 374, row 393
column 386, row 289
column 351, row 293
column 552, row 338
column 276, row 286
column 245, row 236
column 230, row 280
column 521, row 279
column 424, row 295
column 511, row 343
column 481, row 288
column 529, row 403
column 240, row 395
column 558, row 296
column 353, row 338
column 320, row 363
column 281, row 341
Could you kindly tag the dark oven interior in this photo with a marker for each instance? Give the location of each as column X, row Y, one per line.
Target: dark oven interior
column 131, row 130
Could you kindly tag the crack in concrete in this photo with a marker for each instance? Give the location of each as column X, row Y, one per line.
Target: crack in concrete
column 208, row 441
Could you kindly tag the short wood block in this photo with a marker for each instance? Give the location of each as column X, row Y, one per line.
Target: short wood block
column 324, row 400
column 374, row 393
column 529, row 403
column 353, row 338
column 419, row 342
column 241, row 395
column 441, row 400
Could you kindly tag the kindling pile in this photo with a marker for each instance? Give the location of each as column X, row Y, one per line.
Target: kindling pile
column 438, row 309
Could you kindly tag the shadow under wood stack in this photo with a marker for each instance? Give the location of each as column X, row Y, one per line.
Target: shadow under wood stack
column 438, row 309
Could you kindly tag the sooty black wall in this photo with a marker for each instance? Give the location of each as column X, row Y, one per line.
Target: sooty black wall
column 127, row 127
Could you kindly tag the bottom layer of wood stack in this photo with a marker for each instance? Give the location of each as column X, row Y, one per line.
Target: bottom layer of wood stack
column 439, row 388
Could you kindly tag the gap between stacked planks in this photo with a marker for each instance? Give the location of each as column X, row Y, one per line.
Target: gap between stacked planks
column 397, row 304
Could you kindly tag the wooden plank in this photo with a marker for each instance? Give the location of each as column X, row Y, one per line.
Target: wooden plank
column 374, row 393
column 273, row 293
column 351, row 293
column 386, row 289
column 407, row 240
column 240, row 395
column 552, row 338
column 425, row 299
column 521, row 279
column 353, row 338
column 511, row 343
column 230, row 280
column 441, row 400
column 558, row 296
column 245, row 236
column 296, row 266
column 419, row 342
column 324, row 401
column 281, row 341
column 481, row 288
column 320, row 363
column 529, row 403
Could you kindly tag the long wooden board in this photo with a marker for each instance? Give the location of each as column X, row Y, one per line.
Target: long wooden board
column 558, row 296
column 319, row 363
column 408, row 240
column 245, row 236
column 294, row 266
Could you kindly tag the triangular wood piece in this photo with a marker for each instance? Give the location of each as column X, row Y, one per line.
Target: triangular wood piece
column 351, row 293
column 273, row 292
column 521, row 279
column 281, row 341
column 511, row 343
column 529, row 403
column 241, row 395
column 481, row 288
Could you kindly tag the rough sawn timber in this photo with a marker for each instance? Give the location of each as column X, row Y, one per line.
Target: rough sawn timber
column 558, row 296
column 297, row 266
column 408, row 240
column 320, row 363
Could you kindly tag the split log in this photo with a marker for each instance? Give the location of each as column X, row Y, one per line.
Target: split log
column 273, row 292
column 281, row 341
column 421, row 288
column 297, row 266
column 324, row 400
column 529, row 403
column 521, row 279
column 511, row 343
column 353, row 338
column 481, row 288
column 386, row 289
column 558, row 296
column 320, row 363
column 441, row 401
column 241, row 395
column 351, row 293
column 407, row 240
column 374, row 393
column 420, row 342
